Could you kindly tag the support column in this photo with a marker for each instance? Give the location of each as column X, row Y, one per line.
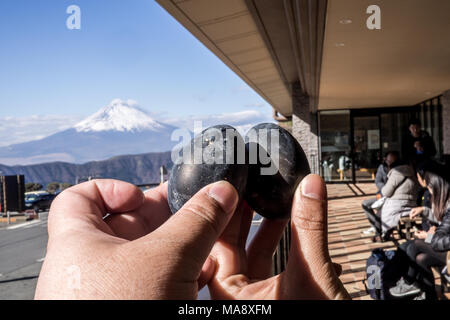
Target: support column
column 304, row 129
column 446, row 124
column 304, row 126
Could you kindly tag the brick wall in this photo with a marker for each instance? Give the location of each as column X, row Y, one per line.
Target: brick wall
column 304, row 127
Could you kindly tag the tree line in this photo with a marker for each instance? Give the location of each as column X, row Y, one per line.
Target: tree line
column 52, row 187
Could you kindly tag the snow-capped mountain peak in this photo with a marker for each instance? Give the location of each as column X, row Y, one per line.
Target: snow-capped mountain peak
column 119, row 115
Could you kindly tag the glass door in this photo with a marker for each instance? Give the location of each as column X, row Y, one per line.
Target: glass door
column 335, row 145
column 366, row 146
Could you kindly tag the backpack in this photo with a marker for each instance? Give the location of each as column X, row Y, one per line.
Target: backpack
column 383, row 270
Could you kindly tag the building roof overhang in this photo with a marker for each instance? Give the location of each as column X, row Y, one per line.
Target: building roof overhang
column 326, row 47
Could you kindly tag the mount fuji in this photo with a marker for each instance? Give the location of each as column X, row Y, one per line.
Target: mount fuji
column 117, row 129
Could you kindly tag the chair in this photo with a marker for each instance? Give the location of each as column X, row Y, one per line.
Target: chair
column 370, row 171
column 405, row 227
column 445, row 280
column 445, row 276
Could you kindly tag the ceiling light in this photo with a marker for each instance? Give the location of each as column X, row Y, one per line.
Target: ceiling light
column 345, row 21
column 340, row 44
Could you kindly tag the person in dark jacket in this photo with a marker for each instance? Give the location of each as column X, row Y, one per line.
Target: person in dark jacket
column 430, row 248
column 417, row 145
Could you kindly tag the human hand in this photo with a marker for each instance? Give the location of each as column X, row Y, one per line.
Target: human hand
column 378, row 196
column 432, row 230
column 139, row 251
column 420, row 235
column 416, row 212
column 310, row 273
column 418, row 146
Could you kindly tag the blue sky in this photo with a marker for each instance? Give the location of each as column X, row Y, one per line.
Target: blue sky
column 125, row 49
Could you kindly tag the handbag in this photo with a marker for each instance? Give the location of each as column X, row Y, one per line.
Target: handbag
column 379, row 203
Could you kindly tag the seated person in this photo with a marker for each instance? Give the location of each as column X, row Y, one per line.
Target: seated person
column 400, row 191
column 390, row 161
column 430, row 248
column 428, row 218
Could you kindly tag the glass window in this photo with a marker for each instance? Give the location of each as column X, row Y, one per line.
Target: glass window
column 336, row 164
column 375, row 132
column 429, row 115
column 394, row 127
column 366, row 139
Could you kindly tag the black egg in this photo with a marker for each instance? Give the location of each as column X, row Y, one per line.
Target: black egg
column 271, row 183
column 218, row 153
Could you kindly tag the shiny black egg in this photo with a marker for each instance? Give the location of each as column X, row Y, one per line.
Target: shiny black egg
column 277, row 164
column 217, row 153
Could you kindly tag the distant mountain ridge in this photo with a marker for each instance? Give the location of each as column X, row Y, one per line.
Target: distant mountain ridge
column 122, row 116
column 136, row 169
column 119, row 128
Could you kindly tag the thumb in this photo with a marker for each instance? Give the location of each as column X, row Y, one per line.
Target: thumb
column 197, row 225
column 309, row 260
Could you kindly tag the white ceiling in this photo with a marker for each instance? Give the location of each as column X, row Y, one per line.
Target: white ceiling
column 404, row 63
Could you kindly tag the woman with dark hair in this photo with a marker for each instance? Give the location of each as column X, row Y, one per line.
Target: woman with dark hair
column 428, row 218
column 430, row 248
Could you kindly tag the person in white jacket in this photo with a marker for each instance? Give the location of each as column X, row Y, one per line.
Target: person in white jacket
column 374, row 218
column 400, row 190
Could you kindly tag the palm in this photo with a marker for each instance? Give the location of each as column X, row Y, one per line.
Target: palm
column 147, row 217
column 246, row 273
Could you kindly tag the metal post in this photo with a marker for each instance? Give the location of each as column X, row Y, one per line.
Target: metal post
column 163, row 171
column 9, row 219
column 280, row 257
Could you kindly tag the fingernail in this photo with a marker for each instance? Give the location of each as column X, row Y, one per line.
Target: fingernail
column 225, row 194
column 313, row 187
column 209, row 263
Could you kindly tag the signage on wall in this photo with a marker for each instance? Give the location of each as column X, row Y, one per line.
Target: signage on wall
column 373, row 139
